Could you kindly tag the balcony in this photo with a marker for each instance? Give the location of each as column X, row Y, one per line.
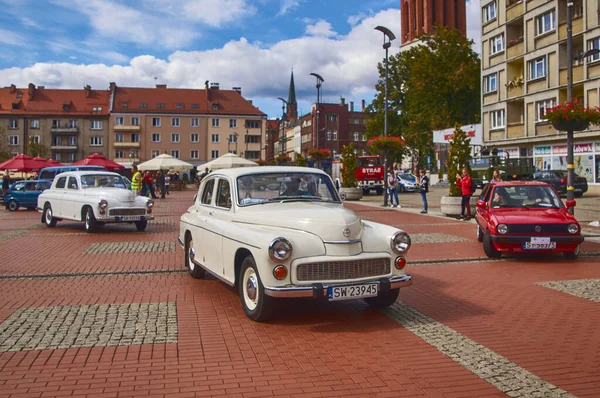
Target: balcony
column 63, row 147
column 120, row 127
column 544, row 128
column 515, row 91
column 514, row 9
column 537, row 85
column 577, row 27
column 64, row 130
column 515, row 50
column 577, row 75
column 516, row 130
column 126, row 144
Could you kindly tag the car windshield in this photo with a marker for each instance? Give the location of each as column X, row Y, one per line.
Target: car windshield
column 102, row 181
column 407, row 177
column 525, row 196
column 277, row 187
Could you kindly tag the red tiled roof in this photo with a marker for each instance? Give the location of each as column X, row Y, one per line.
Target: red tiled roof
column 51, row 101
column 229, row 101
column 273, row 124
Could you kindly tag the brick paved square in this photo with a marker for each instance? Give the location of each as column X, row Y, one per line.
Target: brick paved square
column 89, row 326
column 585, row 288
column 436, row 238
column 130, row 247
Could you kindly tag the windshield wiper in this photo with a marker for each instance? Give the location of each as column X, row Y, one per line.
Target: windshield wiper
column 283, row 199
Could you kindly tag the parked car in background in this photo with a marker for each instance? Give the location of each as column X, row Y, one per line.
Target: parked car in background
column 94, row 197
column 407, row 182
column 294, row 238
column 524, row 216
column 48, row 173
column 25, row 194
column 558, row 179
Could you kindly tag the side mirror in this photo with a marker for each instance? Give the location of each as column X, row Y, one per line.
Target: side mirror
column 571, row 203
column 481, row 205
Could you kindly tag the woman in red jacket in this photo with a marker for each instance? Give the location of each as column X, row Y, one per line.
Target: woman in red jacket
column 466, row 186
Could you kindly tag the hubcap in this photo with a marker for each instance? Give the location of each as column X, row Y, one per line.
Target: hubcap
column 48, row 215
column 250, row 289
column 191, row 255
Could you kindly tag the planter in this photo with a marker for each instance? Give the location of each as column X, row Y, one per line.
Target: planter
column 450, row 205
column 570, row 125
column 351, row 193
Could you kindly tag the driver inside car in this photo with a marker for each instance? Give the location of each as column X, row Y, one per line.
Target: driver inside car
column 292, row 188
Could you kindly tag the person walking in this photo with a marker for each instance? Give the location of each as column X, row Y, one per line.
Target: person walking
column 393, row 188
column 5, row 183
column 423, row 189
column 161, row 183
column 466, row 187
column 136, row 180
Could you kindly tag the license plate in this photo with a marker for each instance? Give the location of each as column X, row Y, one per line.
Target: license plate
column 351, row 292
column 130, row 218
column 539, row 243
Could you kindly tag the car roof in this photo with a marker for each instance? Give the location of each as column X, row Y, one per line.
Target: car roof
column 87, row 172
column 36, row 181
column 519, row 183
column 240, row 171
column 82, row 167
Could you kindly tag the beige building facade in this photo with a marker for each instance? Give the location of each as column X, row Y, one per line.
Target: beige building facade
column 524, row 73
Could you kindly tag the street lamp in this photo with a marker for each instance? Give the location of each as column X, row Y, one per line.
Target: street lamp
column 246, row 138
column 386, row 45
column 320, row 81
column 282, row 136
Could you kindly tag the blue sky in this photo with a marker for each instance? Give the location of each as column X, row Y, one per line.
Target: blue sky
column 252, row 44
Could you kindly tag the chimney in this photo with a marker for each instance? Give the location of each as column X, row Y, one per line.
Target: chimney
column 342, row 100
column 351, row 106
column 41, row 87
column 13, row 88
column 207, row 91
column 237, row 90
column 31, row 90
column 214, row 86
column 88, row 91
column 161, row 86
column 363, row 105
column 112, row 87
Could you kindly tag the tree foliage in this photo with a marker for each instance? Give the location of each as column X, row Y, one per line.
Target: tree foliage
column 300, row 160
column 350, row 164
column 393, row 146
column 430, row 86
column 459, row 155
column 37, row 150
column 4, row 153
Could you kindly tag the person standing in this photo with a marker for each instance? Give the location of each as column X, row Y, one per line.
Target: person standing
column 466, row 187
column 161, row 183
column 393, row 188
column 496, row 176
column 136, row 180
column 423, row 189
column 167, row 183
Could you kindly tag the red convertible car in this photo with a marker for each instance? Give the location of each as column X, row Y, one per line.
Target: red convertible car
column 525, row 216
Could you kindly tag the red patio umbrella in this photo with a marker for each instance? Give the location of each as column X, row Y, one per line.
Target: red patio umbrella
column 99, row 160
column 52, row 163
column 42, row 160
column 23, row 163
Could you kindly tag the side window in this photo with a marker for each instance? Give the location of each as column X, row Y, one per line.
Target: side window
column 31, row 186
column 224, row 194
column 485, row 194
column 62, row 181
column 208, row 192
column 20, row 187
column 73, row 183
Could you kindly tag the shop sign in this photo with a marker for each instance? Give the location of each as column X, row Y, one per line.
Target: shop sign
column 542, row 150
column 474, row 132
column 513, row 153
column 577, row 148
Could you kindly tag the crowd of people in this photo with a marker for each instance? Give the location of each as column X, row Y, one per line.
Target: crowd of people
column 422, row 183
column 152, row 183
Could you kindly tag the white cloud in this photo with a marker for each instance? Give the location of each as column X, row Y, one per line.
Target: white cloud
column 287, row 5
column 30, row 23
column 10, row 38
column 320, row 28
column 208, row 12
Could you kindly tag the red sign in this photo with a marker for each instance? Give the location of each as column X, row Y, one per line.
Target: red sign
column 448, row 137
column 577, row 148
column 369, row 173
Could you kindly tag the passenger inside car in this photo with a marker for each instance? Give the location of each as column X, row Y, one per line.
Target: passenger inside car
column 500, row 198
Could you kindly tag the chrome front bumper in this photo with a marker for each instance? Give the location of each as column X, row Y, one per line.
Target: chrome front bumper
column 118, row 219
column 319, row 290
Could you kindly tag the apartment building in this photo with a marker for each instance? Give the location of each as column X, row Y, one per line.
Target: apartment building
column 72, row 124
column 190, row 124
column 524, row 72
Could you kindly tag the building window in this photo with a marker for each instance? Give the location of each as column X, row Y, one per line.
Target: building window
column 119, row 137
column 214, row 138
column 252, row 139
column 491, row 83
column 335, row 135
column 175, row 137
column 215, row 107
column 194, row 122
column 497, row 119
column 194, row 154
column 70, row 157
column 355, row 136
column 180, row 106
column 496, row 44
column 72, row 124
column 13, row 124
column 34, row 124
column 253, row 124
column 541, row 107
column 233, row 138
column 96, row 141
column 72, row 141
column 537, row 68
column 594, row 44
column 329, row 136
column 56, row 140
column 97, row 109
column 119, row 154
column 160, row 105
column 154, row 153
column 96, row 125
column 215, row 122
column 135, row 121
column 135, row 137
column 119, row 121
column 143, row 105
column 13, row 140
column 155, row 137
column 232, row 123
column 195, row 106
column 332, row 118
column 156, row 122
column 364, row 137
column 36, row 139
column 175, row 153
column 195, row 138
column 56, row 124
column 214, row 154
column 175, row 122
column 489, row 12
column 546, row 22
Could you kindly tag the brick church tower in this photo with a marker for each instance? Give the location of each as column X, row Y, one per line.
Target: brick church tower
column 419, row 17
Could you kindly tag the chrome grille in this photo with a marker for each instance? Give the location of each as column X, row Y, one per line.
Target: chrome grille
column 127, row 212
column 336, row 270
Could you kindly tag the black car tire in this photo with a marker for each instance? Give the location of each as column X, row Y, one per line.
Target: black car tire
column 574, row 254
column 12, row 205
column 48, row 218
column 384, row 300
column 196, row 271
column 488, row 246
column 91, row 224
column 257, row 305
column 141, row 225
column 479, row 234
column 379, row 191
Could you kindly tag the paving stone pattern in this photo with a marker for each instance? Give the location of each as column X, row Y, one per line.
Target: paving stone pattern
column 89, row 326
column 18, row 232
column 436, row 238
column 130, row 247
column 584, row 288
column 503, row 374
column 162, row 221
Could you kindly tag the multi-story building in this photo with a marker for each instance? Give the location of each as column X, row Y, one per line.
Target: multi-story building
column 419, row 17
column 190, row 124
column 524, row 72
column 72, row 124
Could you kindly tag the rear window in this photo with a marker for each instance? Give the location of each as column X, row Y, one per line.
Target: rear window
column 47, row 174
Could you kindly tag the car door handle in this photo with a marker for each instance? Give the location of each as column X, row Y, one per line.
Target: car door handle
column 210, row 213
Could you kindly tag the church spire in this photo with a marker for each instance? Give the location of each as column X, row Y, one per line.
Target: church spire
column 292, row 104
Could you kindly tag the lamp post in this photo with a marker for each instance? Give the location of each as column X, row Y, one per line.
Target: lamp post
column 320, row 81
column 282, row 135
column 386, row 45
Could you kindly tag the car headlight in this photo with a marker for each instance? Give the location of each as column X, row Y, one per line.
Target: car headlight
column 573, row 228
column 502, row 229
column 400, row 242
column 103, row 204
column 150, row 204
column 280, row 249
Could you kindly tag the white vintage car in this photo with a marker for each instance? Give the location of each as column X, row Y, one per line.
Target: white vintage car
column 95, row 197
column 277, row 232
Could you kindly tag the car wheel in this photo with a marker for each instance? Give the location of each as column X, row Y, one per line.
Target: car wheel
column 384, row 300
column 49, row 220
column 91, row 224
column 257, row 305
column 479, row 234
column 488, row 246
column 194, row 270
column 401, row 189
column 12, row 205
column 141, row 225
column 365, row 192
column 574, row 254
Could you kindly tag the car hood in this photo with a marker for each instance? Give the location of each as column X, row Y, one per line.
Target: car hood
column 120, row 194
column 533, row 216
column 326, row 220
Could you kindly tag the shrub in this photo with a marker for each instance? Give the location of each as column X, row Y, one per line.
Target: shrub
column 350, row 164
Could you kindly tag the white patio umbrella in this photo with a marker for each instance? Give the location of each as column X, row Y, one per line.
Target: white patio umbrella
column 227, row 161
column 165, row 162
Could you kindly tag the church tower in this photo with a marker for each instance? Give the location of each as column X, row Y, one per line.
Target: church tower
column 419, row 17
column 292, row 111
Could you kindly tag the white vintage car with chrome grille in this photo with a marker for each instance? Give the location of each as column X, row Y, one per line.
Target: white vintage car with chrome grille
column 277, row 232
column 94, row 197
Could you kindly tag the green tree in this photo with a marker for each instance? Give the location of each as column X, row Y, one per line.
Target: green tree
column 4, row 154
column 300, row 160
column 459, row 155
column 350, row 164
column 37, row 150
column 430, row 86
